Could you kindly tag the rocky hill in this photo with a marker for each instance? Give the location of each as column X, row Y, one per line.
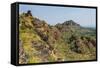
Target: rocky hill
column 40, row 42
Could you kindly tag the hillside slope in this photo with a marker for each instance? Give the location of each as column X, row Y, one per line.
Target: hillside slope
column 40, row 42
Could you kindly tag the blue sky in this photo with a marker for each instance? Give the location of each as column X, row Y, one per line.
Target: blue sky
column 53, row 15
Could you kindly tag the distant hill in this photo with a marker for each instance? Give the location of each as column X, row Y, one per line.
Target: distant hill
column 41, row 42
column 70, row 23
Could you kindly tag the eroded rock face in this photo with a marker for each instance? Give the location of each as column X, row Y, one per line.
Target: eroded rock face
column 82, row 46
column 56, row 33
column 23, row 57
